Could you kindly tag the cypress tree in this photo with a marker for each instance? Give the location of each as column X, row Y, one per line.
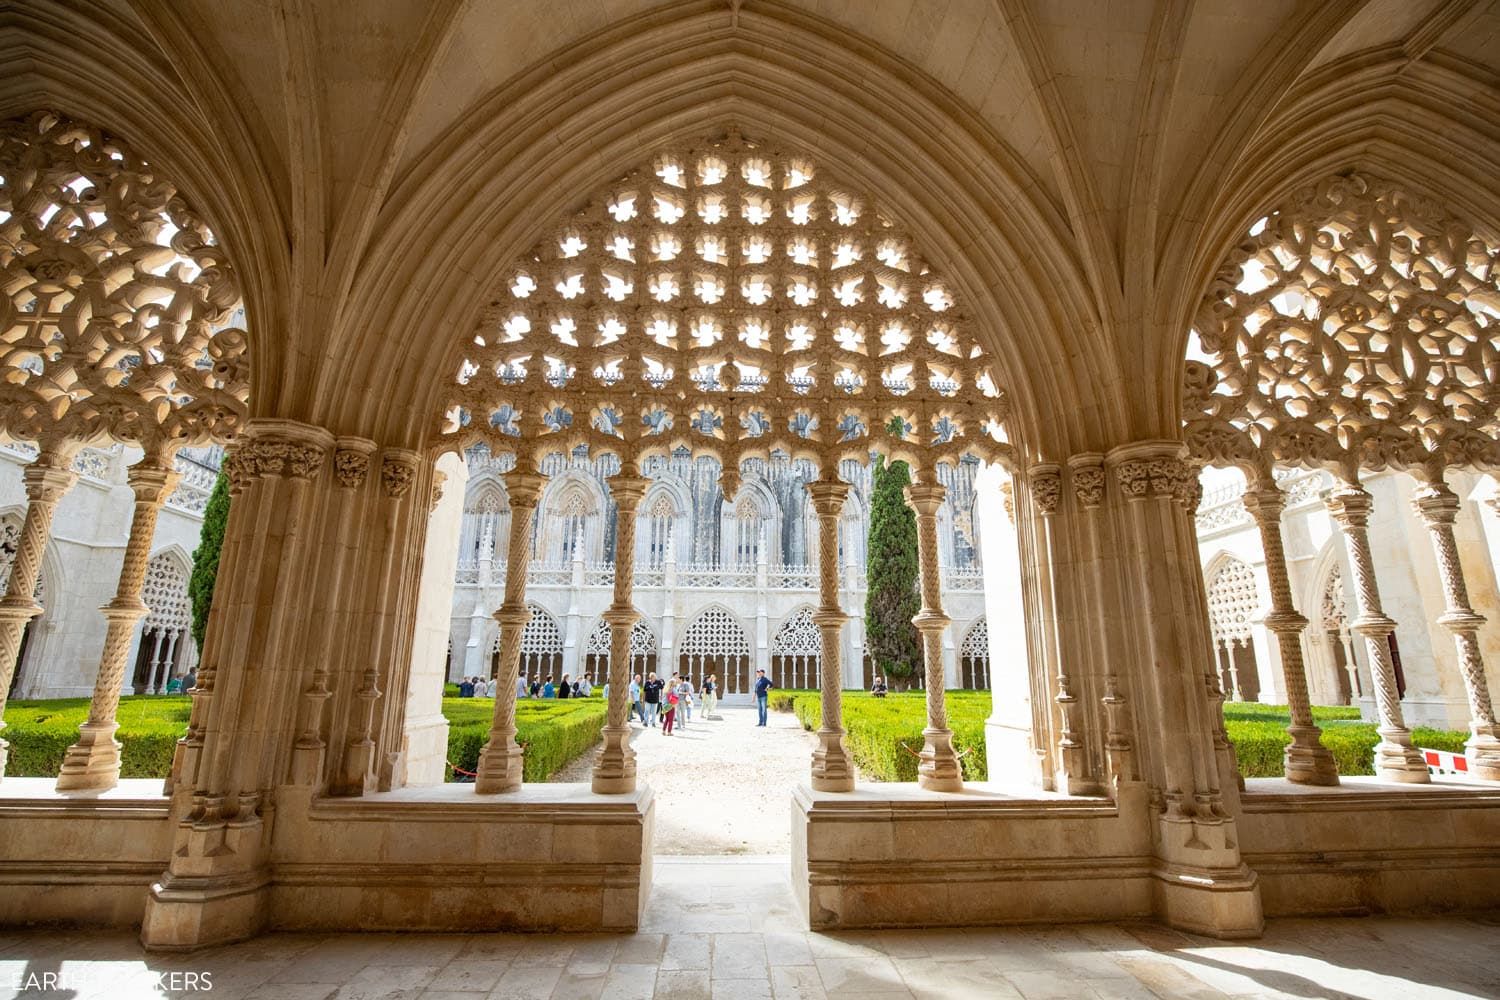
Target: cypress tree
column 891, row 598
column 206, row 557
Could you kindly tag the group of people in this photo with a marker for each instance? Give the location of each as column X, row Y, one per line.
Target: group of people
column 671, row 700
column 531, row 687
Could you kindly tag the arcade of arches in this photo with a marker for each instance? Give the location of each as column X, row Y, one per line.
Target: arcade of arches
column 621, row 301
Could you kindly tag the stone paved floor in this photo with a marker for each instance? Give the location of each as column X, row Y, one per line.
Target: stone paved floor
column 723, row 786
column 726, row 928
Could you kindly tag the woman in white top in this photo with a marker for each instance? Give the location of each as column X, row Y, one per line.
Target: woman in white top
column 489, row 688
column 684, row 702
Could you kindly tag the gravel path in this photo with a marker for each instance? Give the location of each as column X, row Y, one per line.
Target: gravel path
column 723, row 785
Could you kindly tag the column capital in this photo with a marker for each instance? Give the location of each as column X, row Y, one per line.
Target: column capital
column 827, row 496
column 351, row 461
column 398, row 470
column 1349, row 505
column 926, row 498
column 1265, row 503
column 1045, row 480
column 1435, row 503
column 151, row 482
column 627, row 490
column 47, row 483
column 1088, row 479
column 524, row 488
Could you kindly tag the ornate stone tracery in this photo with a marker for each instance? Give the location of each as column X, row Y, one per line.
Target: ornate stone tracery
column 728, row 297
column 1232, row 602
column 1354, row 325
column 119, row 312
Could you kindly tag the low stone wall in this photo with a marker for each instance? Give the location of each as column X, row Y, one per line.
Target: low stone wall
column 1371, row 846
column 548, row 857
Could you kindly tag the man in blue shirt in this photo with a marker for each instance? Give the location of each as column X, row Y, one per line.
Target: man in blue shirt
column 762, row 686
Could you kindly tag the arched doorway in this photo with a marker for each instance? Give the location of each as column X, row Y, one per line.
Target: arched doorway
column 974, row 657
column 715, row 643
column 165, row 644
column 1232, row 606
column 795, row 652
column 642, row 650
column 541, row 647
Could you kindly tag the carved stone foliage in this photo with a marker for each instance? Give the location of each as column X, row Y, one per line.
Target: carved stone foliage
column 732, row 298
column 118, row 315
column 1354, row 325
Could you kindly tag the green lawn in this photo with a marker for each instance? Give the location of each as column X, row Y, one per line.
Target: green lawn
column 39, row 732
column 884, row 734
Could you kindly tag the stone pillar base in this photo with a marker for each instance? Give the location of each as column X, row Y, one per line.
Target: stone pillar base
column 1483, row 754
column 182, row 916
column 831, row 768
column 614, row 768
column 499, row 769
column 1308, row 765
column 1400, row 762
column 93, row 763
column 1217, row 907
column 938, row 769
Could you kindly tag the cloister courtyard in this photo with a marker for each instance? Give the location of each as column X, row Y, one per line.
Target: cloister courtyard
column 1083, row 415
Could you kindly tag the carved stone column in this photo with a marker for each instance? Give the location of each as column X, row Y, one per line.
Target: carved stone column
column 1437, row 506
column 938, row 770
column 47, row 478
column 94, row 761
column 832, row 770
column 500, row 761
column 614, row 768
column 1045, row 482
column 1307, row 760
column 1395, row 757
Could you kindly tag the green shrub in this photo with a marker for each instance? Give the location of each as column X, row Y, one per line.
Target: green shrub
column 206, row 556
column 552, row 732
column 40, row 732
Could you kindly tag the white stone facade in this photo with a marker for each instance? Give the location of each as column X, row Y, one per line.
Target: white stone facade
column 82, row 562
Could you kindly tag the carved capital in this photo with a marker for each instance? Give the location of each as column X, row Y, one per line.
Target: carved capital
column 628, row 491
column 151, row 483
column 1088, row 480
column 398, row 470
column 1046, row 488
column 46, row 483
column 1265, row 504
column 351, row 461
column 1435, row 503
column 1008, row 500
column 926, row 498
column 439, row 480
column 828, row 496
column 1349, row 505
column 524, row 490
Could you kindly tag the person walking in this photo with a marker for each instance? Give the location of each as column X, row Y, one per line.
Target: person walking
column 586, row 686
column 466, row 688
column 636, row 705
column 669, row 707
column 651, row 695
column 489, row 687
column 565, row 689
column 521, row 686
column 684, row 702
column 763, row 688
column 548, row 690
column 710, row 695
column 536, row 686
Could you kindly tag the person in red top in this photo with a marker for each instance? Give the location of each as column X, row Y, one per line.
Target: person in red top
column 669, row 710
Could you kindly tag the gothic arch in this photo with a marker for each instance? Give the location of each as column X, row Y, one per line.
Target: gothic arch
column 717, row 642
column 797, row 651
column 974, row 656
column 981, row 220
column 50, row 588
column 1234, row 600
column 1333, row 667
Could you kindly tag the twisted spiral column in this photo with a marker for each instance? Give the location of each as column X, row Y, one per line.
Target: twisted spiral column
column 500, row 761
column 93, row 762
column 1395, row 757
column 1437, row 506
column 47, row 478
column 1307, row 760
column 832, row 770
column 938, row 768
column 614, row 768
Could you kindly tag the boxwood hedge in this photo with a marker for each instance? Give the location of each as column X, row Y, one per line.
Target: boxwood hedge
column 884, row 734
column 39, row 732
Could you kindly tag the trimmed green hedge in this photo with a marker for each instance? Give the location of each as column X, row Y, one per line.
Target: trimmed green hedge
column 40, row 732
column 885, row 733
column 553, row 732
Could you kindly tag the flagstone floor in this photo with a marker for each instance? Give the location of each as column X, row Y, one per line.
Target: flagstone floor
column 727, row 928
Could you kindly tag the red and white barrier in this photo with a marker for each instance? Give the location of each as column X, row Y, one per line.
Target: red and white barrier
column 1443, row 762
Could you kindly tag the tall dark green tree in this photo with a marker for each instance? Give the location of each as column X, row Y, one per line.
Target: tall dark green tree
column 891, row 598
column 206, row 556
